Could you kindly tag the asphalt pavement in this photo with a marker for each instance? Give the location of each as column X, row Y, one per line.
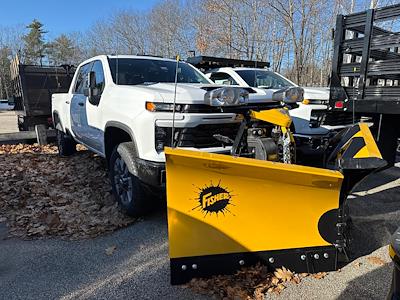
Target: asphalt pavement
column 58, row 269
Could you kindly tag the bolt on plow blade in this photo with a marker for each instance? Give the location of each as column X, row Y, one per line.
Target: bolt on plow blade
column 226, row 212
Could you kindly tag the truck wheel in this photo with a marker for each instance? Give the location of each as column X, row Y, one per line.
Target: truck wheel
column 66, row 145
column 127, row 188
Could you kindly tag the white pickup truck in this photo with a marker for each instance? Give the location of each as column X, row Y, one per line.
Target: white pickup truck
column 310, row 118
column 121, row 108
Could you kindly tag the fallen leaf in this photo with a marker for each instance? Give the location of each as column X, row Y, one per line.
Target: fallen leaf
column 357, row 264
column 110, row 250
column 319, row 275
column 275, row 280
column 283, row 274
column 45, row 195
column 376, row 260
column 281, row 287
column 296, row 279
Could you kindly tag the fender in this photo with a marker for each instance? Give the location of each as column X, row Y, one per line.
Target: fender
column 128, row 153
column 122, row 126
column 148, row 172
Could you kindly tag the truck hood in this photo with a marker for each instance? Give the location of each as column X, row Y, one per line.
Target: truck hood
column 313, row 93
column 185, row 92
column 188, row 93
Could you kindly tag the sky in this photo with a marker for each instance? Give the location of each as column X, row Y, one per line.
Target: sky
column 60, row 16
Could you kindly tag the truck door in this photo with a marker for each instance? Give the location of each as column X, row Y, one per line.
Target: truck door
column 78, row 102
column 93, row 136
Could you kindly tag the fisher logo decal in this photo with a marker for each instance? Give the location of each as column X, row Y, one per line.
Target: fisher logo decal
column 213, row 199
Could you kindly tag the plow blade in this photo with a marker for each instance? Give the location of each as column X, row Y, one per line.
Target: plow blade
column 226, row 212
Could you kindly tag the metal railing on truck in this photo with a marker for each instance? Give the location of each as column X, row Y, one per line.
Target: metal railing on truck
column 366, row 62
column 365, row 78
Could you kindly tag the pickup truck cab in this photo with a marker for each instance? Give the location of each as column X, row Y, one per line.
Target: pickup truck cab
column 121, row 107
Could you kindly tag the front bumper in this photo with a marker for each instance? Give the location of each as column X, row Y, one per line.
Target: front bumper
column 151, row 173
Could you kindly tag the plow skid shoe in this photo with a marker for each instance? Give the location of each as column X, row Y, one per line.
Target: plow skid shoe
column 226, row 212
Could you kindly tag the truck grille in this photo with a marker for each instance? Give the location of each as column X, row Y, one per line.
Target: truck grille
column 333, row 118
column 202, row 135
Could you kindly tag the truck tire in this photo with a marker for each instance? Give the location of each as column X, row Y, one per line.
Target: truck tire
column 127, row 188
column 66, row 145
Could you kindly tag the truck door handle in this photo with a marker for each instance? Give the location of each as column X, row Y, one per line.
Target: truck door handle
column 80, row 103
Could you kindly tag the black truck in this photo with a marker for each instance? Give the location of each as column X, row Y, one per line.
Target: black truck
column 32, row 87
column 365, row 79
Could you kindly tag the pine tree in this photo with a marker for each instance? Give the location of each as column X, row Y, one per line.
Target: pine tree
column 61, row 51
column 34, row 44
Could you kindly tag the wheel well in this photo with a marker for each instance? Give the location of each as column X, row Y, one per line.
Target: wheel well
column 114, row 136
column 56, row 121
column 56, row 118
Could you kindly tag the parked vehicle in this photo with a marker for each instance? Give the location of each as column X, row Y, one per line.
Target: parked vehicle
column 122, row 108
column 311, row 117
column 366, row 72
column 313, row 123
column 32, row 87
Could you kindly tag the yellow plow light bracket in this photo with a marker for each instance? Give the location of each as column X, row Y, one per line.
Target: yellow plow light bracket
column 225, row 212
column 277, row 116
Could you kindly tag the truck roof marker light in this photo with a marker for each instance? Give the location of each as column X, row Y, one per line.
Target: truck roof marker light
column 306, row 101
column 339, row 104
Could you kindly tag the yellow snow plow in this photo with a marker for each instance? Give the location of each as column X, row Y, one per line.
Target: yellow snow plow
column 228, row 211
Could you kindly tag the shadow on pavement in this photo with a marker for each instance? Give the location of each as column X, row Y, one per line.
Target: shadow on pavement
column 373, row 285
column 376, row 216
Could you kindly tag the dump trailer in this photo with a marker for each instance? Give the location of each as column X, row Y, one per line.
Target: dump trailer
column 32, row 87
column 366, row 72
column 256, row 205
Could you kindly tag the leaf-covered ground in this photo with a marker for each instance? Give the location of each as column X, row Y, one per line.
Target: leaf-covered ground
column 43, row 194
column 249, row 283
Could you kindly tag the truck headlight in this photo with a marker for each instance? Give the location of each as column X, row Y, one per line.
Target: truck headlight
column 226, row 96
column 289, row 95
column 162, row 107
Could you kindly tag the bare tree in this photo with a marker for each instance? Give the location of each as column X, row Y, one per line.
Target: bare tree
column 169, row 32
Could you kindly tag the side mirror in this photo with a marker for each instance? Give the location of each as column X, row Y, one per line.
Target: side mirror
column 91, row 80
column 91, row 92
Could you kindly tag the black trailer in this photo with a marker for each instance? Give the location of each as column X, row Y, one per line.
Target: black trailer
column 32, row 87
column 365, row 77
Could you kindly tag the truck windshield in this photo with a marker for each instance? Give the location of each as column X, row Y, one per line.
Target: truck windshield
column 134, row 71
column 263, row 79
